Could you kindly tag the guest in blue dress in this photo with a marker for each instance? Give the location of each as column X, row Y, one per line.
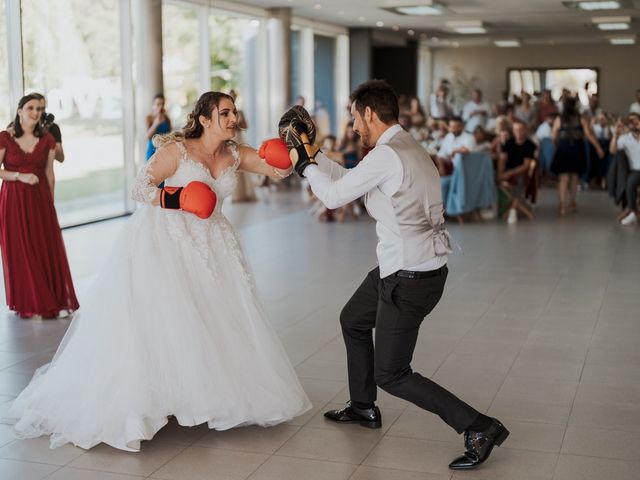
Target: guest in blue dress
column 158, row 123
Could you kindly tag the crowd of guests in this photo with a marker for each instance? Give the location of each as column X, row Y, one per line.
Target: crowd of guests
column 531, row 139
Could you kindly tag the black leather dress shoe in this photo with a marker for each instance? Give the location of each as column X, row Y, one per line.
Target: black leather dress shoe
column 479, row 446
column 367, row 417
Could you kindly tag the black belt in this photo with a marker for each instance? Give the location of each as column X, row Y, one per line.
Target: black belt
column 418, row 275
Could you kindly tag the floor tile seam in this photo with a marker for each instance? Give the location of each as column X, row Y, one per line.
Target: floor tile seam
column 315, row 459
column 593, row 330
column 168, row 460
column 305, row 317
column 316, row 351
column 248, row 477
column 633, row 462
column 352, row 476
column 459, row 341
column 21, row 460
column 54, row 472
column 558, row 279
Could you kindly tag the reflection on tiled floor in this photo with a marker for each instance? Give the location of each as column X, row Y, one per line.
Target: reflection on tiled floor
column 539, row 326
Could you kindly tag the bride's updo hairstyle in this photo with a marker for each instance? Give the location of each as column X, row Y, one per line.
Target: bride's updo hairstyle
column 193, row 129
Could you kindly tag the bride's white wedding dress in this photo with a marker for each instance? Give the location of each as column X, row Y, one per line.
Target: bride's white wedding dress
column 173, row 327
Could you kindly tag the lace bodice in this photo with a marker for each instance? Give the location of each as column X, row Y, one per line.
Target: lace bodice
column 190, row 170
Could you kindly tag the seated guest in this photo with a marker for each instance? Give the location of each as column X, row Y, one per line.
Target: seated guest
column 482, row 140
column 544, row 129
column 514, row 164
column 456, row 141
column 630, row 143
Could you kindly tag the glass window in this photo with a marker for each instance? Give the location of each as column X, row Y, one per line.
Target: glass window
column 180, row 60
column 234, row 64
column 295, row 65
column 324, row 82
column 583, row 81
column 5, row 108
column 74, row 60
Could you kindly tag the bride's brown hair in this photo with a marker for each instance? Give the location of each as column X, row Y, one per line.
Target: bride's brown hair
column 194, row 129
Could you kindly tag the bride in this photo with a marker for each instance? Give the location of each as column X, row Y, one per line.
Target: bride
column 173, row 325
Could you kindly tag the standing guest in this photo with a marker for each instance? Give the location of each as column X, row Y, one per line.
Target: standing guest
column 37, row 277
column 47, row 121
column 158, row 123
column 439, row 107
column 402, row 192
column 525, row 111
column 569, row 161
column 482, row 140
column 546, row 106
column 456, row 141
column 475, row 111
column 630, row 143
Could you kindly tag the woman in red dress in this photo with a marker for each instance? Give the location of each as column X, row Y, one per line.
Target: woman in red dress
column 36, row 272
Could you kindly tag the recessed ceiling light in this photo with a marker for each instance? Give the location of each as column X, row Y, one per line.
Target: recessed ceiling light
column 507, row 43
column 470, row 30
column 432, row 9
column 612, row 23
column 467, row 27
column 613, row 26
column 411, row 32
column 379, row 24
column 591, row 6
column 622, row 40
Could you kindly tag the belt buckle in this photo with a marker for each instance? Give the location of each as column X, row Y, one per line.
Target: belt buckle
column 407, row 274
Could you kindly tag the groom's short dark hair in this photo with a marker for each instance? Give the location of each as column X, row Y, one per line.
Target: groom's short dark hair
column 380, row 97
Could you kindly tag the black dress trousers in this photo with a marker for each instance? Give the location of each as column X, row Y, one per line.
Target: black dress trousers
column 396, row 307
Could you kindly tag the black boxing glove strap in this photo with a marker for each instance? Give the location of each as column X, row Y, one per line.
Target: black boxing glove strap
column 303, row 159
column 170, row 198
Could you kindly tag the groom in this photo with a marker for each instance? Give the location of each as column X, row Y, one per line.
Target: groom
column 402, row 193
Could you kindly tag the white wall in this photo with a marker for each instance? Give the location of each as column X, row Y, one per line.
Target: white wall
column 619, row 67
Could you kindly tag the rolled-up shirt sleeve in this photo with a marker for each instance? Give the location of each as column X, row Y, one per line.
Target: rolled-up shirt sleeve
column 333, row 169
column 379, row 166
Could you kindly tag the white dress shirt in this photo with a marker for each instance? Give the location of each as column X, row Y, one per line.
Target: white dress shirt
column 479, row 119
column 631, row 146
column 381, row 168
column 451, row 143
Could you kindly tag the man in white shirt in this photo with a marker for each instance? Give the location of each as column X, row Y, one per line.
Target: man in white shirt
column 635, row 106
column 630, row 143
column 402, row 193
column 475, row 112
column 456, row 141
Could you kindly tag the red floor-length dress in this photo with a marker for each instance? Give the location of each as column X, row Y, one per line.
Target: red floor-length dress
column 36, row 272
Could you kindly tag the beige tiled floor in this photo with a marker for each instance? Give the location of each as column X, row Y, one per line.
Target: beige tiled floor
column 539, row 326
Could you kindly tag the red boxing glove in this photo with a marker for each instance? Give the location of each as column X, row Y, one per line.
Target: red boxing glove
column 275, row 153
column 196, row 198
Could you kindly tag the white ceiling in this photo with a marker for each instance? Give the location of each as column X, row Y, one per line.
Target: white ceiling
column 533, row 22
